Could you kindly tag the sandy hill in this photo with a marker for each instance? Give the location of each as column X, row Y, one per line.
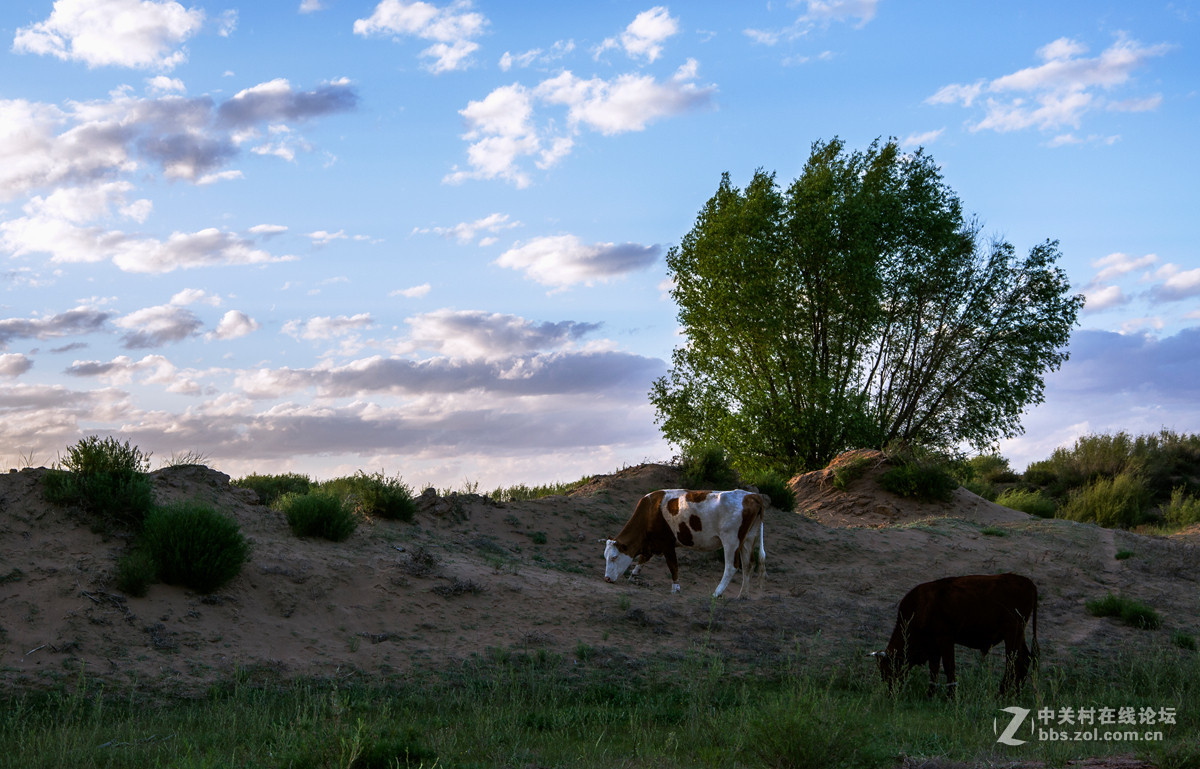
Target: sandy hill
column 470, row 574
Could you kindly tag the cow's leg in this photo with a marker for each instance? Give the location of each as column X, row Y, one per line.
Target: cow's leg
column 935, row 660
column 637, row 565
column 1016, row 665
column 673, row 565
column 731, row 551
column 947, row 653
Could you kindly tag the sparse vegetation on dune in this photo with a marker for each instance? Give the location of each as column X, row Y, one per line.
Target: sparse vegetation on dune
column 789, row 668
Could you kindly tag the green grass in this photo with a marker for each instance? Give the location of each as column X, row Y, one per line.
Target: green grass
column 318, row 515
column 593, row 709
column 1031, row 502
column 1129, row 611
column 522, row 493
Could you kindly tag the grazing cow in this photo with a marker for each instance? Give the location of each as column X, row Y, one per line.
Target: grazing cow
column 700, row 520
column 977, row 611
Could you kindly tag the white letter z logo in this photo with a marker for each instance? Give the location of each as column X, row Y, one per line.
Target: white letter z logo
column 1018, row 717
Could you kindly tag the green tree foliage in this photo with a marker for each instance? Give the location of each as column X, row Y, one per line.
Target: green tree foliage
column 856, row 308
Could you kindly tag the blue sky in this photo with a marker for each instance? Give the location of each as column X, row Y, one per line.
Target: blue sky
column 428, row 238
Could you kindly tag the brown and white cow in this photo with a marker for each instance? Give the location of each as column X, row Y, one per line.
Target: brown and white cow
column 976, row 611
column 700, row 520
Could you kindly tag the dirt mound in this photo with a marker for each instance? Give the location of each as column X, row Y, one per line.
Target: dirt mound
column 470, row 575
column 847, row 494
column 631, row 483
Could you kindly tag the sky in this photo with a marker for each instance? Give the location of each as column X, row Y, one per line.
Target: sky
column 428, row 238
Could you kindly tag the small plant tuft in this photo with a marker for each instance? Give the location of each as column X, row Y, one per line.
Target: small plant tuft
column 1131, row 612
column 318, row 515
column 136, row 572
column 1184, row 640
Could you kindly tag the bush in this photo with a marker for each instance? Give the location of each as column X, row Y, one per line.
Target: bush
column 707, row 467
column 119, row 497
column 1183, row 509
column 775, row 486
column 1129, row 611
column 375, row 495
column 1031, row 502
column 318, row 515
column 981, row 489
column 96, row 455
column 271, row 487
column 1118, row 502
column 194, row 545
column 989, row 469
column 927, row 483
column 850, row 471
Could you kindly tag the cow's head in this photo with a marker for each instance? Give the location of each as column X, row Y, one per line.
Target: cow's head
column 889, row 667
column 615, row 562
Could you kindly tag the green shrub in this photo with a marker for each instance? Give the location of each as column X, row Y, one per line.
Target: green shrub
column 194, row 545
column 374, row 494
column 924, row 482
column 775, row 486
column 112, row 497
column 990, row 469
column 271, row 487
column 1122, row 555
column 850, row 471
column 707, row 467
column 1129, row 611
column 1031, row 502
column 136, row 572
column 1110, row 502
column 318, row 515
column 981, row 489
column 1184, row 640
column 1183, row 509
column 106, row 478
column 94, row 454
column 522, row 493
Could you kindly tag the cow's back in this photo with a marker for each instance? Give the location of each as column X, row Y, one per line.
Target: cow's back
column 976, row 611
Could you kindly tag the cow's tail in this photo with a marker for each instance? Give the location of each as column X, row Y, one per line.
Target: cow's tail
column 1034, row 649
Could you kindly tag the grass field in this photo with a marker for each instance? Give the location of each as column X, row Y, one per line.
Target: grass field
column 535, row 709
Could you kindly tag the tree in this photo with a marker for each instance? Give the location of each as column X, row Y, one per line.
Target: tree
column 857, row 308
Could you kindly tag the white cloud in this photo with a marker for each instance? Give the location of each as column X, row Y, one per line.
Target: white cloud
column 536, row 56
column 156, row 326
column 477, row 335
column 1176, row 283
column 74, row 322
column 502, row 129
column 142, row 34
column 564, row 260
column 13, row 365
column 818, row 13
column 1117, row 264
column 466, row 232
column 1104, row 298
column 921, row 139
column 327, row 327
column 413, row 292
column 1060, row 91
column 644, row 36
column 451, row 29
column 234, row 324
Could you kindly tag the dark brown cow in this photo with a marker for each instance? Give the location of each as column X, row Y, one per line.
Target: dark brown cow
column 977, row 611
column 731, row 521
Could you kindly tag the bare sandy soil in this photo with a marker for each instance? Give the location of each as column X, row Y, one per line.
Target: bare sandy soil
column 469, row 574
